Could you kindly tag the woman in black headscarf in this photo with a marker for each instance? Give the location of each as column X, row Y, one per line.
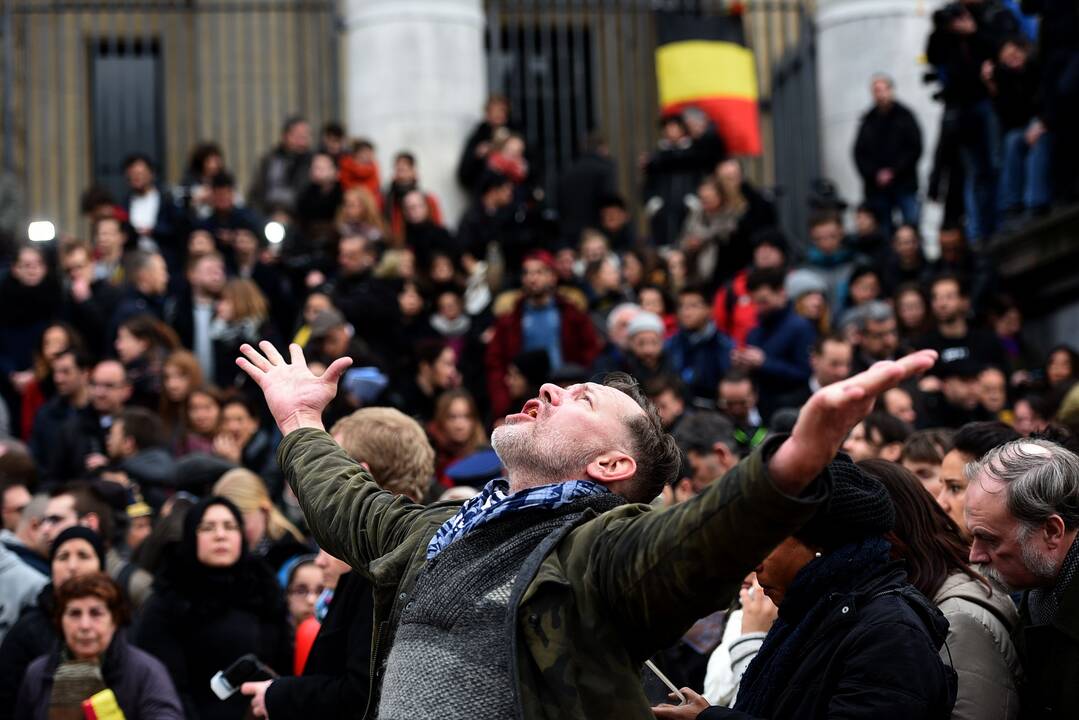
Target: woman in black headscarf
column 213, row 602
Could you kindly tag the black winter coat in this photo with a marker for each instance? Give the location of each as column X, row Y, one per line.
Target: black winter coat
column 874, row 655
column 198, row 621
column 335, row 679
column 1050, row 656
column 889, row 140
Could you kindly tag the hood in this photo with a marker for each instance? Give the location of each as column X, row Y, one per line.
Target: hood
column 994, row 599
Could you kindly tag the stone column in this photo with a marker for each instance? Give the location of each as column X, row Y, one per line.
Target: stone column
column 415, row 79
column 855, row 39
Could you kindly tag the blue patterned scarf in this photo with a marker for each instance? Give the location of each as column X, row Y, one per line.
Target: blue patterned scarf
column 495, row 501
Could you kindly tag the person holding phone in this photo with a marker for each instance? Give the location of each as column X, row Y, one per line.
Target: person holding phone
column 555, row 583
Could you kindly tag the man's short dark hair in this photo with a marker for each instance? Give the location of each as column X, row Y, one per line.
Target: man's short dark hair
column 771, row 278
column 362, row 144
column 737, row 376
column 949, row 277
column 613, row 200
column 94, row 197
column 291, row 122
column 223, row 179
column 700, row 432
column 822, row 340
column 142, row 426
column 406, row 156
column 977, row 438
column 334, row 129
column 82, row 359
column 665, row 383
column 88, row 499
column 824, row 217
column 699, row 290
column 134, row 158
column 658, row 458
column 927, row 446
column 890, row 428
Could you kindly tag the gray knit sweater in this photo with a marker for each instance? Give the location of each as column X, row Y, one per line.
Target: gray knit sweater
column 451, row 656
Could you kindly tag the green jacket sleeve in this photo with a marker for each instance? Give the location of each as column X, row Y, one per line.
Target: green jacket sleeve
column 350, row 516
column 660, row 571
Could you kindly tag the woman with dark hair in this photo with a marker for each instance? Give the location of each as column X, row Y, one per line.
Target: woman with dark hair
column 213, row 602
column 95, row 657
column 981, row 615
column 205, row 161
column 1061, row 366
column 76, row 551
column 142, row 344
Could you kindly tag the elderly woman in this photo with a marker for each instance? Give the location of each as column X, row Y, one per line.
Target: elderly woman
column 76, row 551
column 95, row 662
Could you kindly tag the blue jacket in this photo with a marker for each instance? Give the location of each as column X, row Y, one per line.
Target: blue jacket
column 700, row 359
column 786, row 339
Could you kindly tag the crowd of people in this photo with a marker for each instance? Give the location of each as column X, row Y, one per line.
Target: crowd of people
column 165, row 511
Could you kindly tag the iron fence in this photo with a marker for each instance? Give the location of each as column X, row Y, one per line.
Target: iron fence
column 573, row 67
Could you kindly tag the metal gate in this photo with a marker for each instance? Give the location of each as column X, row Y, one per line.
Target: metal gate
column 573, row 67
column 228, row 70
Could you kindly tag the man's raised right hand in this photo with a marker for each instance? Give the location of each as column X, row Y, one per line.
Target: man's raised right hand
column 831, row 413
column 296, row 396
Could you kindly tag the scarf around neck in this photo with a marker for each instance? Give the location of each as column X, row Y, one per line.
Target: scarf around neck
column 495, row 501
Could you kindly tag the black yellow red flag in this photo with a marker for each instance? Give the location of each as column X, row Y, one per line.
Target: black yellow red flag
column 704, row 62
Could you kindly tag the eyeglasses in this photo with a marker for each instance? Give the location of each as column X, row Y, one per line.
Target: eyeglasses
column 210, row 528
column 107, row 386
column 304, row 591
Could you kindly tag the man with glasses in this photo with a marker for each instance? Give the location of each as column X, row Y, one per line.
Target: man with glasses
column 876, row 335
column 80, row 447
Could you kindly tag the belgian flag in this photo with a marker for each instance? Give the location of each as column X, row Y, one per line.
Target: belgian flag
column 704, row 62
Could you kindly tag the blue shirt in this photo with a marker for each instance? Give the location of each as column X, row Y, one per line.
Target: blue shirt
column 541, row 329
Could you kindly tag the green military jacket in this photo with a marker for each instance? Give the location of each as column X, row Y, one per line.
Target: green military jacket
column 609, row 592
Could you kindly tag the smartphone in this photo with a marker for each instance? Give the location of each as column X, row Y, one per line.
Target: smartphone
column 666, row 681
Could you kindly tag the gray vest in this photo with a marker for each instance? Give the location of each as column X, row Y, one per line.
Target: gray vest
column 452, row 653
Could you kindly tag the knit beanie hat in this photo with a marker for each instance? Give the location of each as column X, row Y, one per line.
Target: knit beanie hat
column 859, row 508
column 802, row 282
column 78, row 532
column 645, row 322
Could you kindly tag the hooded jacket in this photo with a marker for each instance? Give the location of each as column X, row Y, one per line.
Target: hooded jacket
column 873, row 655
column 603, row 595
column 980, row 648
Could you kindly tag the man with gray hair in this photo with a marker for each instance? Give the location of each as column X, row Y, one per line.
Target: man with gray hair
column 1022, row 509
column 876, row 335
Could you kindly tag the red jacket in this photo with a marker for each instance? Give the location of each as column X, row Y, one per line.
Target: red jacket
column 579, row 346
column 354, row 174
column 733, row 310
